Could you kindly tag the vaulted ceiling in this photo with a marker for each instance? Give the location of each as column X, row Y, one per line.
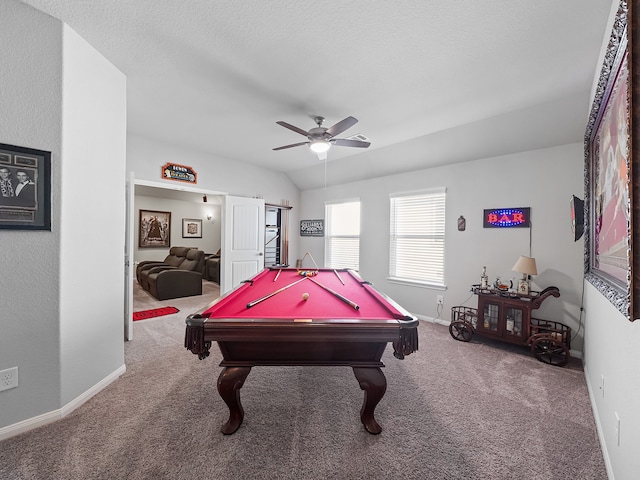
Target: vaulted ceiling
column 431, row 82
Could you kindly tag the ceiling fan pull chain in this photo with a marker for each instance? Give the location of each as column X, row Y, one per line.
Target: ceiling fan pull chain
column 325, row 173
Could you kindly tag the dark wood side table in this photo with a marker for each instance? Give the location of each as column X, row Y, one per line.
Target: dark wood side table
column 506, row 315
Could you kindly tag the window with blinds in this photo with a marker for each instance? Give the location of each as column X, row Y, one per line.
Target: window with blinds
column 417, row 237
column 342, row 235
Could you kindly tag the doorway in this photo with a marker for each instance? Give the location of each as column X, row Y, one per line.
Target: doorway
column 276, row 241
column 161, row 191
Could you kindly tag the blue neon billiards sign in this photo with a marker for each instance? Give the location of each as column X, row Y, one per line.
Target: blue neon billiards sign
column 507, row 218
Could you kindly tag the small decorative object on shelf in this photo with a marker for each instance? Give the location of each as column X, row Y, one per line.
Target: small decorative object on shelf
column 523, row 287
column 503, row 284
column 484, row 278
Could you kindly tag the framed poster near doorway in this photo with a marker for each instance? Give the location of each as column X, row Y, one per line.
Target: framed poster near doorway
column 154, row 229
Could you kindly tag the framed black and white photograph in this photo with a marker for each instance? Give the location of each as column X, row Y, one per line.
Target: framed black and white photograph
column 191, row 228
column 25, row 188
column 154, row 229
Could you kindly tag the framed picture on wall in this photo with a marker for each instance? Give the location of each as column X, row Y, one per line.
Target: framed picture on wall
column 25, row 188
column 154, row 229
column 191, row 228
column 611, row 175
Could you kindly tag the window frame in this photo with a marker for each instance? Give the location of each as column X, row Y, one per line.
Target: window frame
column 438, row 283
column 329, row 236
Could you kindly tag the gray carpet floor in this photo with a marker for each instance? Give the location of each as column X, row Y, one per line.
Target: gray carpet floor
column 452, row 410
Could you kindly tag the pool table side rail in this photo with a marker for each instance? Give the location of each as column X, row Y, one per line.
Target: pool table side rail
column 407, row 343
column 201, row 332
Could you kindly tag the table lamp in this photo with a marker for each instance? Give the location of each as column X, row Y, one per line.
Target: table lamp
column 526, row 266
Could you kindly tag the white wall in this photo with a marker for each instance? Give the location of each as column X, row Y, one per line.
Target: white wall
column 210, row 241
column 92, row 227
column 612, row 351
column 145, row 157
column 543, row 180
column 64, row 335
column 31, row 102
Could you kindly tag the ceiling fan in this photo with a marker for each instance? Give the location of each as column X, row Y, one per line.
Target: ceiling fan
column 320, row 138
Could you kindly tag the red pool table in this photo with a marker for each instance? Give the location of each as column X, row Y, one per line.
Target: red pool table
column 266, row 321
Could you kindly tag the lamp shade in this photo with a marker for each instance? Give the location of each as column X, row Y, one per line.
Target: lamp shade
column 526, row 265
column 319, row 146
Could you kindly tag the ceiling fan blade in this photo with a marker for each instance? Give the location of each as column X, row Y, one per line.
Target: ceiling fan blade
column 341, row 126
column 344, row 142
column 292, row 145
column 294, row 128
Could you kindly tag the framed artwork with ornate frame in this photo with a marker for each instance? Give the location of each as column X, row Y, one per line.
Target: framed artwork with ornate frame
column 25, row 188
column 611, row 174
column 154, row 229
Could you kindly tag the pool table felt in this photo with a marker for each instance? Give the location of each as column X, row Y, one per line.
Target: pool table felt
column 289, row 303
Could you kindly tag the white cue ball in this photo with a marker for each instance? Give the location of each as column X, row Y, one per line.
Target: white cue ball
column 305, row 296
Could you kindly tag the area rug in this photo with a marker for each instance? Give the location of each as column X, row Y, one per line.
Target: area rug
column 154, row 312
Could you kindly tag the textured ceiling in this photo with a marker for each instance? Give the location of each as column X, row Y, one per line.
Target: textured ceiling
column 448, row 80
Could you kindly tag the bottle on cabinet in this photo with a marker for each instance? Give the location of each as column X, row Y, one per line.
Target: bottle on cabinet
column 484, row 278
column 510, row 324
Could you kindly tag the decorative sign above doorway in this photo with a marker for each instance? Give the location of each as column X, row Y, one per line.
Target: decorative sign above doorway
column 507, row 217
column 181, row 173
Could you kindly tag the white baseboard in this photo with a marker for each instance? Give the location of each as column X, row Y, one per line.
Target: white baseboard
column 596, row 416
column 55, row 415
column 439, row 321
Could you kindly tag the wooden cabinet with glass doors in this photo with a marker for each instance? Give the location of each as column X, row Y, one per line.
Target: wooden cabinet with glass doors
column 504, row 317
column 507, row 315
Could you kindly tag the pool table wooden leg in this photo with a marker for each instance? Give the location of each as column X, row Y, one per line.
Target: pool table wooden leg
column 230, row 382
column 374, row 384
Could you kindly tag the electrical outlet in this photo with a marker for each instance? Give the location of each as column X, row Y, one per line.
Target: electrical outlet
column 617, row 428
column 602, row 384
column 440, row 300
column 8, row 378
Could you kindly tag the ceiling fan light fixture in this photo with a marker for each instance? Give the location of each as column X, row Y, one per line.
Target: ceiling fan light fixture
column 319, row 146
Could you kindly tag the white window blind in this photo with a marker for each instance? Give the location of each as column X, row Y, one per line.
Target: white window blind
column 417, row 237
column 342, row 235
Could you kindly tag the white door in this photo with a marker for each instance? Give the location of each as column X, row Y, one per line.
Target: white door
column 128, row 259
column 242, row 240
